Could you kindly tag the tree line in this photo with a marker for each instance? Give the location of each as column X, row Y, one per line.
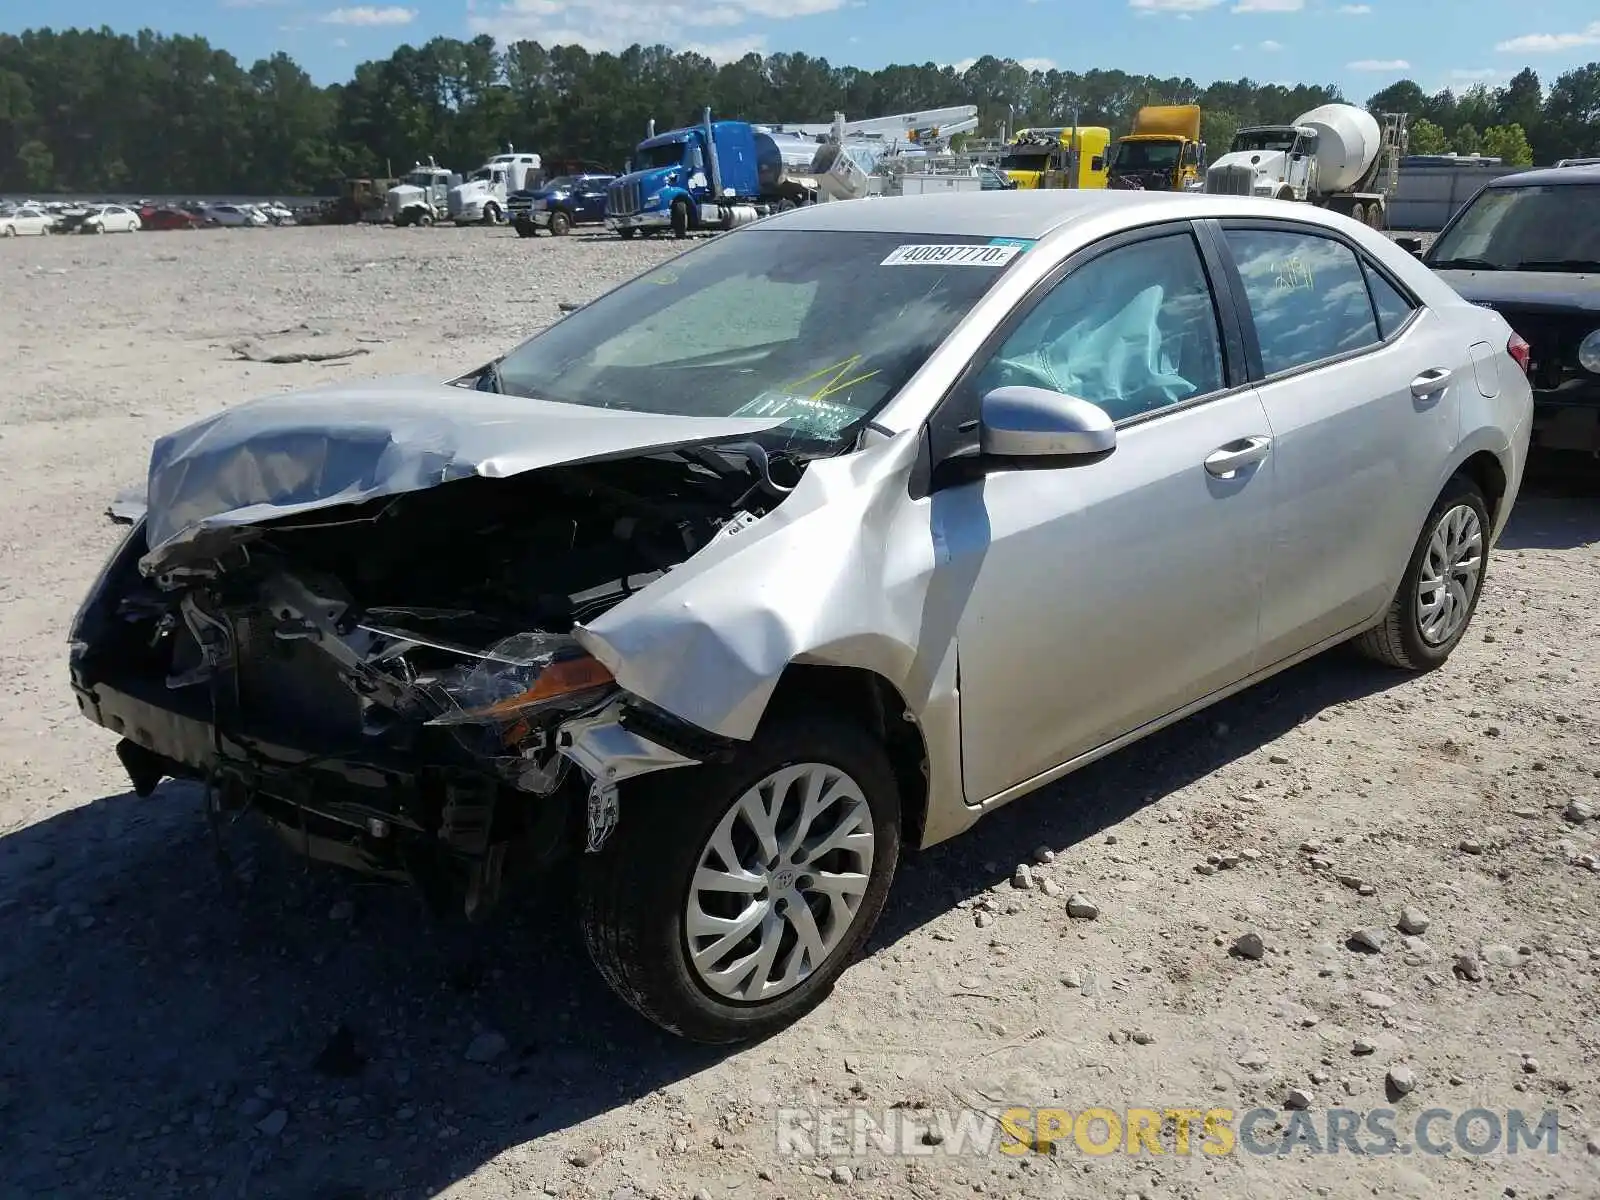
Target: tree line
column 93, row 110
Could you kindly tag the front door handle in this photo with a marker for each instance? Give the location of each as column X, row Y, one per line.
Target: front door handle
column 1430, row 382
column 1225, row 460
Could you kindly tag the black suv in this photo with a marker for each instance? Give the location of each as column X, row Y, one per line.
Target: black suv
column 1528, row 246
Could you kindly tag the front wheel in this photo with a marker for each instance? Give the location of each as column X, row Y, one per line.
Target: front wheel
column 1439, row 592
column 491, row 215
column 560, row 223
column 680, row 218
column 625, row 234
column 729, row 898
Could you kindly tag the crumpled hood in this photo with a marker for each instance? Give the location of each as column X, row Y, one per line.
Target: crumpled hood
column 1536, row 291
column 284, row 455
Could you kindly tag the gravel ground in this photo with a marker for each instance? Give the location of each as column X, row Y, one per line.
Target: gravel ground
column 173, row 1026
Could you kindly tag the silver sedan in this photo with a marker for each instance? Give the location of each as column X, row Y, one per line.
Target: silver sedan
column 809, row 546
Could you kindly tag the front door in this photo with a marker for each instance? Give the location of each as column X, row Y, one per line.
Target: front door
column 1102, row 596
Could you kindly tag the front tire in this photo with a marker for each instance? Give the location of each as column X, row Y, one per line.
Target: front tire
column 560, row 223
column 680, row 218
column 491, row 214
column 625, row 234
column 1439, row 592
column 730, row 898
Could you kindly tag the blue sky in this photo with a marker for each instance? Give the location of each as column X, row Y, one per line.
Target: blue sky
column 1360, row 44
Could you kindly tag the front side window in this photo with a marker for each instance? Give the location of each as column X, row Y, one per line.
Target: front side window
column 818, row 328
column 1132, row 331
column 1306, row 293
column 1549, row 228
column 668, row 154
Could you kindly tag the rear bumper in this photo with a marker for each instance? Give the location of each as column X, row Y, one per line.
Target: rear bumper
column 1567, row 417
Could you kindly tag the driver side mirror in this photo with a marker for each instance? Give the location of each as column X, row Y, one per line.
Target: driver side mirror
column 1411, row 245
column 1036, row 423
column 1097, row 163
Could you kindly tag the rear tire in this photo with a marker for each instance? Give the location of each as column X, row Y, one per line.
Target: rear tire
column 560, row 223
column 1377, row 217
column 1358, row 213
column 642, row 898
column 1439, row 592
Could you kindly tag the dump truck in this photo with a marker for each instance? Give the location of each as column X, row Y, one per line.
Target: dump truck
column 1062, row 156
column 1163, row 153
column 1336, row 156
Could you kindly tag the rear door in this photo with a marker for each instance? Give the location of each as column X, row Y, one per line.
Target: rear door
column 1359, row 381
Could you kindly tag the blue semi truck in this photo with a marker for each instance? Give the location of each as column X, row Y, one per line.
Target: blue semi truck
column 714, row 175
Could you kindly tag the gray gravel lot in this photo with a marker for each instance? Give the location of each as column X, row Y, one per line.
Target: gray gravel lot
column 172, row 1025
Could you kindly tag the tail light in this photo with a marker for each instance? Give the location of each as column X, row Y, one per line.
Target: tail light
column 1519, row 349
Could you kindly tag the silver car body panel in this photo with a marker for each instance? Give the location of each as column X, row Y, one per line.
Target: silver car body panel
column 288, row 455
column 1163, row 613
column 1154, row 587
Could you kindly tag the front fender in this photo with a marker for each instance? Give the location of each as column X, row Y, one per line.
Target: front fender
column 837, row 574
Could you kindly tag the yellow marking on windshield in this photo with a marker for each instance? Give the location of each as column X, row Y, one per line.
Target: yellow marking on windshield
column 836, row 381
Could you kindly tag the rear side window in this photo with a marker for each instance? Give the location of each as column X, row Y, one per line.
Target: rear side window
column 1393, row 309
column 1307, row 294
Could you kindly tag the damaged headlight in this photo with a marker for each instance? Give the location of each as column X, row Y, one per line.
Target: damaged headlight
column 522, row 674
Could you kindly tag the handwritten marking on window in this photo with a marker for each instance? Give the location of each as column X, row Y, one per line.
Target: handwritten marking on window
column 1292, row 275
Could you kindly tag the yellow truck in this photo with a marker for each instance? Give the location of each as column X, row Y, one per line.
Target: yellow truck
column 1163, row 153
column 1042, row 158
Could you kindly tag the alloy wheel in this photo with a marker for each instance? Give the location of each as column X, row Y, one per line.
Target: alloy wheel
column 1451, row 571
column 779, row 882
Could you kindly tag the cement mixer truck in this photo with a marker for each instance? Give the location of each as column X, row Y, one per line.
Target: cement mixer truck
column 1336, row 156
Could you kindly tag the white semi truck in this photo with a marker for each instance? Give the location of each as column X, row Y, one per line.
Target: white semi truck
column 481, row 197
column 1336, row 156
column 422, row 196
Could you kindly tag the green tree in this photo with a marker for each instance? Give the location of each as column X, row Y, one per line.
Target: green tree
column 1466, row 140
column 1428, row 138
column 1508, row 143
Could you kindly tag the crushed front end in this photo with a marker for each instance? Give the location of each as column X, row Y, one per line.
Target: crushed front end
column 394, row 686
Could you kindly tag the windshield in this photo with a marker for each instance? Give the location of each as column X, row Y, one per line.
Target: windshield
column 668, row 154
column 819, row 328
column 1144, row 156
column 1034, row 159
column 1264, row 139
column 1525, row 229
column 420, row 179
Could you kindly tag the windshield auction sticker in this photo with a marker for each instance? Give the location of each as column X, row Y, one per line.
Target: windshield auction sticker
column 950, row 256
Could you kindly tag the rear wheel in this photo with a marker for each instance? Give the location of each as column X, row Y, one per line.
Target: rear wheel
column 731, row 897
column 1439, row 592
column 559, row 223
column 1358, row 213
column 1377, row 216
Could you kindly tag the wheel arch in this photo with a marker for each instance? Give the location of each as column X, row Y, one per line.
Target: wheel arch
column 866, row 696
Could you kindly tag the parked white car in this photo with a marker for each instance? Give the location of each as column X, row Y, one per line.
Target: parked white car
column 237, row 216
column 111, row 218
column 26, row 221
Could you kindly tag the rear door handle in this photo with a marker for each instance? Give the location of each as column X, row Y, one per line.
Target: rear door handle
column 1225, row 460
column 1430, row 383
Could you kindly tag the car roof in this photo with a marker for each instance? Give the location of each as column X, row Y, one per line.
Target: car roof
column 1030, row 213
column 1546, row 176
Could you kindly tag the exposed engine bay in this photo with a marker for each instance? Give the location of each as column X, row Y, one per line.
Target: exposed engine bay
column 388, row 683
